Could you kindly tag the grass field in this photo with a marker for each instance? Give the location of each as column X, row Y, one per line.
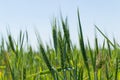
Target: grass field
column 64, row 61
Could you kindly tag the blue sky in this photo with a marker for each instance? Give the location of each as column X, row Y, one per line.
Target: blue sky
column 30, row 14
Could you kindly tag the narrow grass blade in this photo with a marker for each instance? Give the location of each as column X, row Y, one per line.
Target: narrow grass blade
column 91, row 54
column 27, row 36
column 24, row 73
column 83, row 47
column 82, row 42
column 44, row 55
column 109, row 49
column 61, row 49
column 66, row 33
column 105, row 36
column 11, row 43
column 81, row 72
column 116, row 69
column 54, row 34
column 47, row 60
column 21, row 40
column 107, row 72
column 96, row 45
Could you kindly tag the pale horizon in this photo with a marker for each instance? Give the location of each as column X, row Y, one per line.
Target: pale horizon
column 29, row 14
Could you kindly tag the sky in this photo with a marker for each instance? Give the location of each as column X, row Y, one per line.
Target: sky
column 38, row 14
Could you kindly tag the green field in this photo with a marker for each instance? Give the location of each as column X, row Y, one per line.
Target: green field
column 63, row 61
